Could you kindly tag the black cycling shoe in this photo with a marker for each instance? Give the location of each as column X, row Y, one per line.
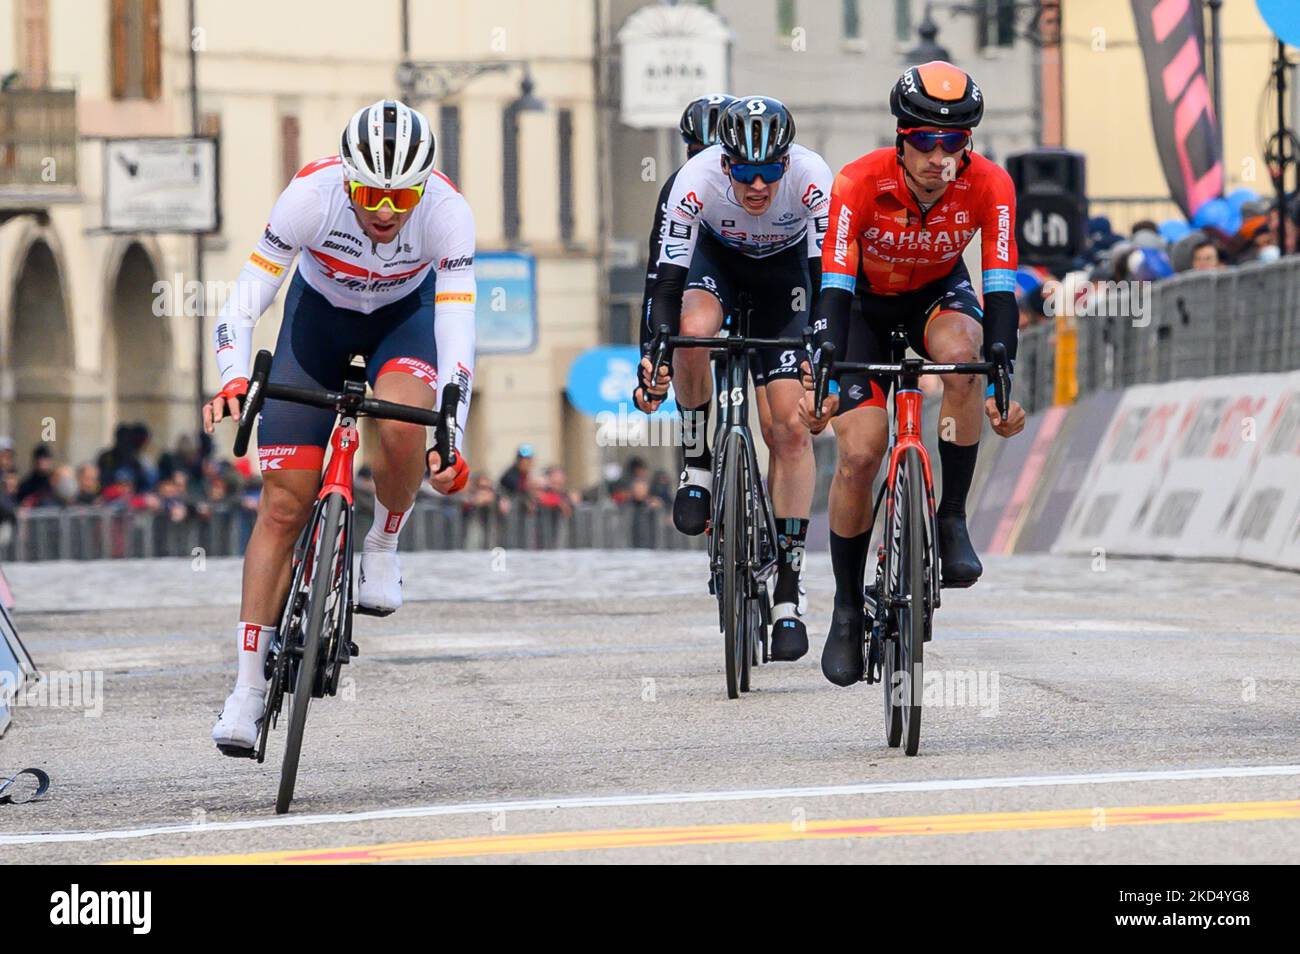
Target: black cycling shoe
column 789, row 634
column 842, row 655
column 694, row 501
column 958, row 562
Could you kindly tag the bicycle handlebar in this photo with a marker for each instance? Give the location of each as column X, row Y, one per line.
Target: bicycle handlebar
column 259, row 390
column 998, row 369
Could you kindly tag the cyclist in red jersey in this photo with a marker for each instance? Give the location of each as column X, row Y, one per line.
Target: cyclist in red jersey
column 900, row 219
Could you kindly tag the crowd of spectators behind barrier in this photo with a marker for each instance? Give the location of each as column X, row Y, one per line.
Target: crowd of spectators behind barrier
column 1238, row 229
column 188, row 483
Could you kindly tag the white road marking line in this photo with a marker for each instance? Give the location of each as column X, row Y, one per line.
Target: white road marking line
column 664, row 798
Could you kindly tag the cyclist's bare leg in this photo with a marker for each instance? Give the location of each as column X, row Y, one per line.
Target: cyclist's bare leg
column 861, row 436
column 952, row 337
column 282, row 512
column 791, row 466
column 692, row 373
column 765, row 427
column 399, row 466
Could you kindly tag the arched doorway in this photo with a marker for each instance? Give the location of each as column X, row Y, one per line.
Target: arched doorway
column 137, row 349
column 40, row 357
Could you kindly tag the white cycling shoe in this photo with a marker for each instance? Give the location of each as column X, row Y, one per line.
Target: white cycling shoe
column 380, row 591
column 801, row 608
column 241, row 719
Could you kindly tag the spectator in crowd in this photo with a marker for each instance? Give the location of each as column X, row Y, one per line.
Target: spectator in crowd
column 87, row 485
column 663, row 488
column 1205, row 256
column 555, row 493
column 36, row 489
column 64, row 483
column 8, row 462
column 516, row 482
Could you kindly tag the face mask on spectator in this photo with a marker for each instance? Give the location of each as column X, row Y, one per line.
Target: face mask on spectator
column 1269, row 253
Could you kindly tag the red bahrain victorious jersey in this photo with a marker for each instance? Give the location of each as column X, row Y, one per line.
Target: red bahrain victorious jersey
column 876, row 223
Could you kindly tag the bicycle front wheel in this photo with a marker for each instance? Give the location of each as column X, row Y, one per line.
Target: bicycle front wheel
column 327, row 552
column 735, row 564
column 910, row 599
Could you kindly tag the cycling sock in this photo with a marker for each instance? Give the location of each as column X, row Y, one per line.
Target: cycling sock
column 958, row 463
column 383, row 533
column 848, row 561
column 790, row 535
column 254, row 639
column 695, row 429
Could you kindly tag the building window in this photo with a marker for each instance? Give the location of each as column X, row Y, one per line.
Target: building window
column 510, row 175
column 34, row 43
column 852, row 20
column 785, row 17
column 996, row 25
column 290, row 148
column 136, row 49
column 448, row 156
column 902, row 20
column 565, row 136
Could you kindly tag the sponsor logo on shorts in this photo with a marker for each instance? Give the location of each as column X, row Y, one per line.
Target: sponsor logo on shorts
column 266, row 265
column 412, row 366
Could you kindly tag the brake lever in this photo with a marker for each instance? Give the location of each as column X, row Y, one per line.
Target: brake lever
column 823, row 363
column 445, row 433
column 1001, row 379
column 660, row 356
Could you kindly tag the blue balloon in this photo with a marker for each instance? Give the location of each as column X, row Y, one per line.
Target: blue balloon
column 1239, row 197
column 1216, row 213
column 1153, row 264
column 1283, row 18
column 1171, row 230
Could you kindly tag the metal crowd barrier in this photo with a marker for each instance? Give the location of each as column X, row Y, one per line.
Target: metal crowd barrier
column 92, row 533
column 1239, row 320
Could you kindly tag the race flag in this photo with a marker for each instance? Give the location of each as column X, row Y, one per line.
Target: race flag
column 1182, row 113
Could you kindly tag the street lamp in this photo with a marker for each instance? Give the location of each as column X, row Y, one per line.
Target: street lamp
column 928, row 49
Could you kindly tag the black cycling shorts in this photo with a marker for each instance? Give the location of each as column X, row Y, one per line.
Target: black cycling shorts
column 775, row 284
column 874, row 317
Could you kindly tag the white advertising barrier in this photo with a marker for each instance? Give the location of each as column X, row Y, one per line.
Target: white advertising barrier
column 1267, row 529
column 1183, row 471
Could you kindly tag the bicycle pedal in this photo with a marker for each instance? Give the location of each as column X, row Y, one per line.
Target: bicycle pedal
column 237, row 751
column 957, row 584
column 370, row 611
column 353, row 649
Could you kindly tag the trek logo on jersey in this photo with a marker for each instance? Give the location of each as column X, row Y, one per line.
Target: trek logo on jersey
column 452, row 264
column 813, row 197
column 1004, row 232
column 842, row 233
column 266, row 265
column 273, row 239
column 691, row 203
column 224, row 340
column 251, row 632
column 679, row 230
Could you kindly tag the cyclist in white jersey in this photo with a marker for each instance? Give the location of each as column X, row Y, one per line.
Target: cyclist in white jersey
column 745, row 216
column 386, row 270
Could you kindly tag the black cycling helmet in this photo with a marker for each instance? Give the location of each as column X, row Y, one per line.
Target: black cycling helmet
column 699, row 125
column 756, row 129
column 936, row 94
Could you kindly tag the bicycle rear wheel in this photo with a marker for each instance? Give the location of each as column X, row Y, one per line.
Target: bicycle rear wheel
column 327, row 553
column 735, row 564
column 910, row 601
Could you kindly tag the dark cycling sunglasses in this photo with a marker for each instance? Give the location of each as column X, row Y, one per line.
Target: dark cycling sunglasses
column 925, row 140
column 747, row 172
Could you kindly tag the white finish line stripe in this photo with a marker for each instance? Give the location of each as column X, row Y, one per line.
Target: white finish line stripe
column 664, row 798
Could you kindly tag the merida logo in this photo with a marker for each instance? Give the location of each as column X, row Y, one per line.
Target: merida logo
column 103, row 907
column 1004, row 232
column 842, row 236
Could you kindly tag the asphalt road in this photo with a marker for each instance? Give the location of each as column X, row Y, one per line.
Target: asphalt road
column 571, row 707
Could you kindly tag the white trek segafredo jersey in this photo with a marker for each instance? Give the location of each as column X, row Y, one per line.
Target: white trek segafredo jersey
column 703, row 198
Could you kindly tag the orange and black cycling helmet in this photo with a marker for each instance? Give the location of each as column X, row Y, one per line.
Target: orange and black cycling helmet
column 936, row 94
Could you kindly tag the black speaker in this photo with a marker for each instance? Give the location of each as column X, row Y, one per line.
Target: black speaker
column 1051, row 205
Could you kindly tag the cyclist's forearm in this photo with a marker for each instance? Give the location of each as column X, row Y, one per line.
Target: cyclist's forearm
column 1001, row 321
column 666, row 302
column 831, row 321
column 814, row 285
column 233, row 335
column 454, row 335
